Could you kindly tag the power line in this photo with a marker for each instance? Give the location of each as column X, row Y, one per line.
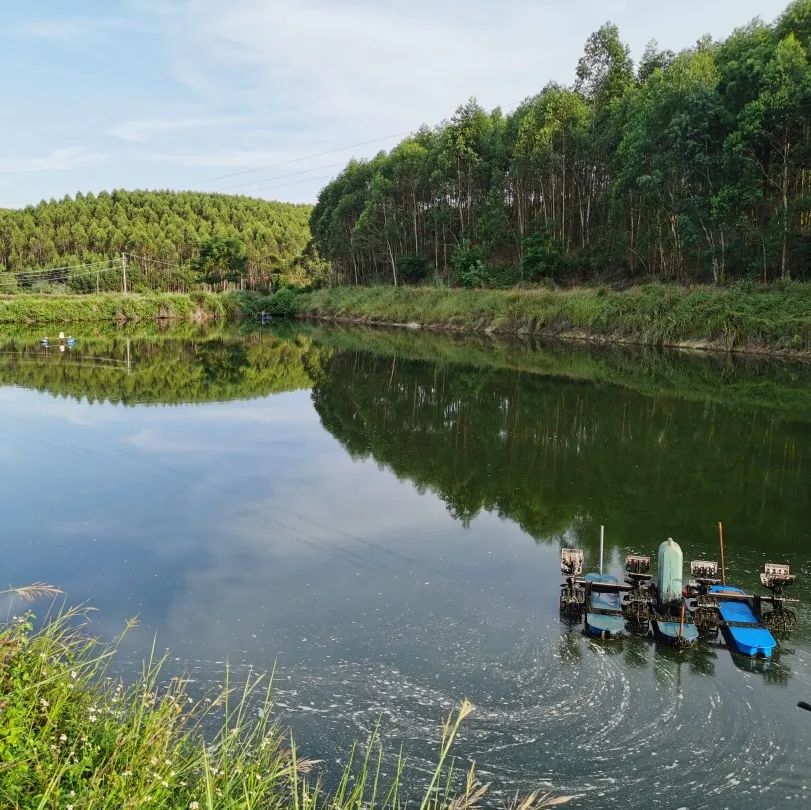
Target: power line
column 282, row 176
column 304, row 157
column 296, row 182
column 135, row 256
column 64, row 267
column 505, row 109
column 97, row 272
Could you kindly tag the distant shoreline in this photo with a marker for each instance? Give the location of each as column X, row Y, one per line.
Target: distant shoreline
column 757, row 322
column 770, row 321
column 567, row 336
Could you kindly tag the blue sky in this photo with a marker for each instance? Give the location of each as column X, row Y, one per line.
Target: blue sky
column 177, row 93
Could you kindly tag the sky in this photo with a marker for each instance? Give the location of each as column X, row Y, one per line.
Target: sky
column 272, row 97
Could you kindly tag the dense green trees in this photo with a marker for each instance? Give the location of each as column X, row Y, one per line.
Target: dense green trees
column 163, row 229
column 694, row 167
column 220, row 259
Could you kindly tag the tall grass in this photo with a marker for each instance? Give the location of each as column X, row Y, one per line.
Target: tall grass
column 72, row 736
column 67, row 310
column 744, row 317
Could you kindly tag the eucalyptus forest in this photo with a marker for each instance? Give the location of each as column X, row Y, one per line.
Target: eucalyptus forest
column 690, row 166
column 205, row 233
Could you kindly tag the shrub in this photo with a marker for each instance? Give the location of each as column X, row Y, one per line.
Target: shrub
column 412, row 269
column 283, row 302
column 8, row 283
column 468, row 265
column 543, row 257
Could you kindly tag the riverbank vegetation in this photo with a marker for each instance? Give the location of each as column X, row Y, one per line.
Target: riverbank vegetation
column 690, row 167
column 67, row 311
column 741, row 317
column 74, row 737
column 174, row 239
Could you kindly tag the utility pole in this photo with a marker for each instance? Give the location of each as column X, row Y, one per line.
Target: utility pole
column 124, row 270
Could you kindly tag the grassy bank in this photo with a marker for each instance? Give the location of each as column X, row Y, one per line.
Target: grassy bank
column 115, row 308
column 740, row 318
column 72, row 737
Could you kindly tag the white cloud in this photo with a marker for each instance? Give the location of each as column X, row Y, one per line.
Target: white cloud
column 58, row 160
column 377, row 67
column 385, row 67
column 143, row 130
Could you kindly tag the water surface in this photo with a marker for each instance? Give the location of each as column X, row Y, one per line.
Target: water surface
column 379, row 515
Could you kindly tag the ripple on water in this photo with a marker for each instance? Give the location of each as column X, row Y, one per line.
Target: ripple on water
column 625, row 721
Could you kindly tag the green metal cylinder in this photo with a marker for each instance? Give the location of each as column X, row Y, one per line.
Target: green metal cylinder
column 671, row 563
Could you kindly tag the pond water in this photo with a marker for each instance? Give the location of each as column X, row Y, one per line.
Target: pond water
column 379, row 515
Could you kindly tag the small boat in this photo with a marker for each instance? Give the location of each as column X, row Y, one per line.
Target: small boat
column 610, row 624
column 742, row 629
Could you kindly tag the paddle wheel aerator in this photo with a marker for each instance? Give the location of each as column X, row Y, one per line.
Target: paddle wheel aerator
column 637, row 604
column 572, row 595
column 774, row 578
column 705, row 612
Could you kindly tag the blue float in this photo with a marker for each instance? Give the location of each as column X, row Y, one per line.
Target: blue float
column 602, row 625
column 741, row 628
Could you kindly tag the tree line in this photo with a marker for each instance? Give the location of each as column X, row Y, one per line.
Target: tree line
column 215, row 237
column 687, row 167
